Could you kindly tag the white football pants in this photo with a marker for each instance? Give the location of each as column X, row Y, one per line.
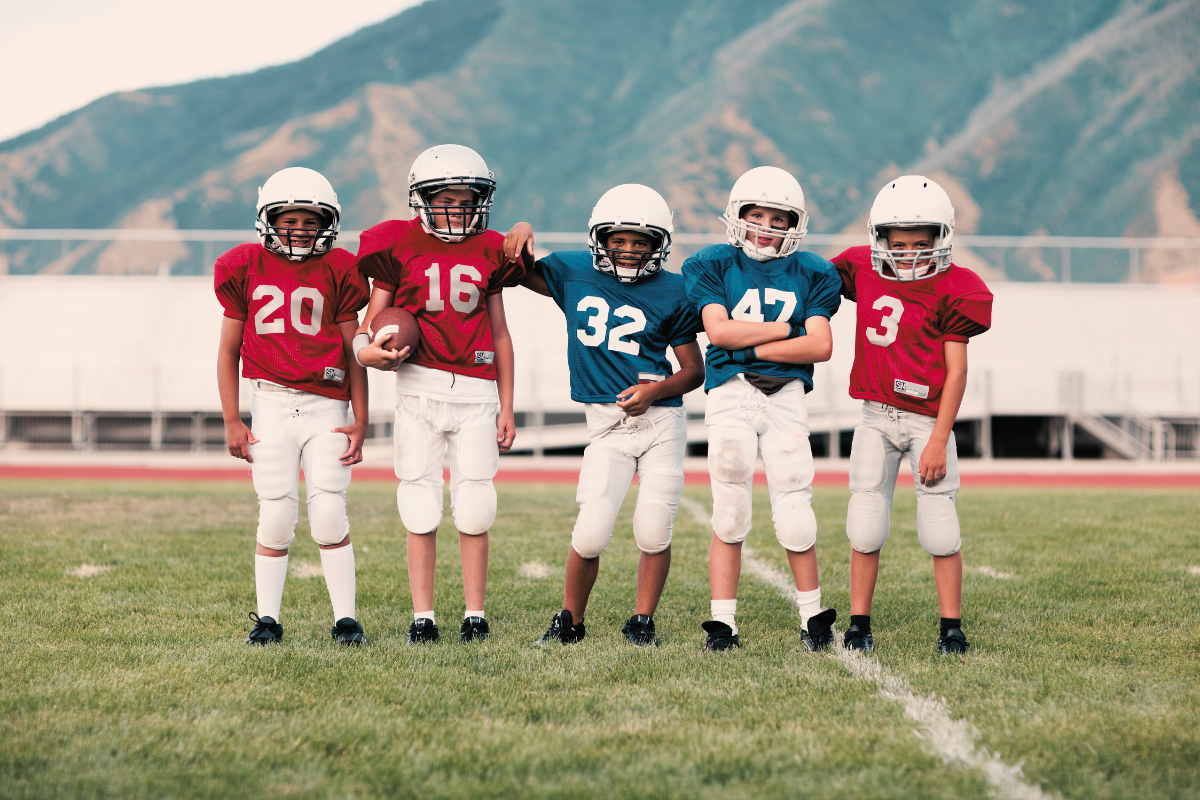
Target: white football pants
column 653, row 446
column 884, row 437
column 743, row 423
column 424, row 429
column 294, row 428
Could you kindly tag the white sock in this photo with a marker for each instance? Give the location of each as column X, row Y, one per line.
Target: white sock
column 269, row 574
column 470, row 613
column 338, row 566
column 425, row 615
column 725, row 611
column 810, row 605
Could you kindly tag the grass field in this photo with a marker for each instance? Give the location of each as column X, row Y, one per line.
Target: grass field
column 134, row 682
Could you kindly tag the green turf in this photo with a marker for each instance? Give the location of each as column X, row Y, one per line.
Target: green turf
column 135, row 682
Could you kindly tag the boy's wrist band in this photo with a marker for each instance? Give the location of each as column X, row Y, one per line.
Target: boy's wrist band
column 360, row 341
column 797, row 330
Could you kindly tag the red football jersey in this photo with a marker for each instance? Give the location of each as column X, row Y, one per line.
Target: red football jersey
column 443, row 285
column 292, row 310
column 898, row 354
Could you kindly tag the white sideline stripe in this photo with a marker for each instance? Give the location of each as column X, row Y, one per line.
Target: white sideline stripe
column 992, row 572
column 1194, row 570
column 307, row 569
column 952, row 740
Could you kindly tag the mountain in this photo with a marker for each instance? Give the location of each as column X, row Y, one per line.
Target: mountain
column 1074, row 118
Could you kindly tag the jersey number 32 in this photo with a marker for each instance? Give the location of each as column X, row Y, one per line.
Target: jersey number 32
column 596, row 322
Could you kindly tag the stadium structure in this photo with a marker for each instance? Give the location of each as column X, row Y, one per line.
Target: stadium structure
column 1069, row 370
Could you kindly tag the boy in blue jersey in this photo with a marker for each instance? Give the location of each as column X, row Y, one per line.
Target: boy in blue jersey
column 766, row 310
column 623, row 312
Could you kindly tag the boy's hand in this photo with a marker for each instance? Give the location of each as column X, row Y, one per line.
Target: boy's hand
column 636, row 400
column 239, row 438
column 356, row 433
column 719, row 357
column 506, row 431
column 932, row 465
column 518, row 240
column 374, row 355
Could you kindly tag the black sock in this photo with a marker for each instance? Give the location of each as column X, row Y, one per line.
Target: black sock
column 863, row 621
column 948, row 623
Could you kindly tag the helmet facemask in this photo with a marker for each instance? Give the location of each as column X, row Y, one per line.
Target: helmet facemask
column 744, row 234
column 639, row 264
column 297, row 244
column 453, row 223
column 910, row 265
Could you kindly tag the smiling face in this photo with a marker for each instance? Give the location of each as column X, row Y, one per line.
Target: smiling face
column 764, row 217
column 913, row 239
column 298, row 221
column 628, row 248
column 450, row 213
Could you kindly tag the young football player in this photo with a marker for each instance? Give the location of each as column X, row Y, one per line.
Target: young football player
column 916, row 312
column 623, row 311
column 456, row 390
column 291, row 310
column 766, row 309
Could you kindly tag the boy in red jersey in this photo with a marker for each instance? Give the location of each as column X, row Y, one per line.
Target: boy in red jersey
column 456, row 389
column 303, row 297
column 916, row 312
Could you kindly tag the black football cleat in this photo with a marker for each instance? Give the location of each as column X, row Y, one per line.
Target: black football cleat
column 820, row 630
column 348, row 632
column 473, row 628
column 720, row 636
column 265, row 631
column 562, row 630
column 855, row 639
column 639, row 630
column 422, row 631
column 953, row 643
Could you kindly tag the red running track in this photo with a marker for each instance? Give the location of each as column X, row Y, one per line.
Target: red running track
column 376, row 474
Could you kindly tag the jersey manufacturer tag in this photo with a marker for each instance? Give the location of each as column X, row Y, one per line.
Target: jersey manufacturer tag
column 335, row 374
column 911, row 389
column 485, row 357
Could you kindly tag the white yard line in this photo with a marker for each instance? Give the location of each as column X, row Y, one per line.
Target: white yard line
column 951, row 740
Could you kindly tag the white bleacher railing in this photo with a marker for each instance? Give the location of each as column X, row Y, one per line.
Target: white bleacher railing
column 209, row 242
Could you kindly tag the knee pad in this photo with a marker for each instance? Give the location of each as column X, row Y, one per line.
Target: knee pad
column 731, row 456
column 937, row 524
column 868, row 521
column 420, row 506
column 327, row 517
column 654, row 515
column 474, row 507
column 795, row 522
column 593, row 528
column 276, row 522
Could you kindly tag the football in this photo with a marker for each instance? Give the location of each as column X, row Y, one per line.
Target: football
column 400, row 324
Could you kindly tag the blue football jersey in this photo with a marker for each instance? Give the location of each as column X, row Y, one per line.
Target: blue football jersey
column 793, row 288
column 617, row 331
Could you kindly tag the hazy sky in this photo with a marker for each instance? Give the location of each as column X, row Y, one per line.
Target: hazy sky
column 57, row 55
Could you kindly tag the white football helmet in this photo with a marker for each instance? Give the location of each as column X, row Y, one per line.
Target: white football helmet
column 451, row 166
column 911, row 201
column 774, row 188
column 297, row 188
column 630, row 207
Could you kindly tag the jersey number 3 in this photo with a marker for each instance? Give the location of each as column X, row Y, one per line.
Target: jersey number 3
column 275, row 294
column 597, row 326
column 890, row 321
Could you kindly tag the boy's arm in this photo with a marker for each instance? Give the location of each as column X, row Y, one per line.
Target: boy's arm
column 636, row 400
column 815, row 346
column 736, row 334
column 518, row 243
column 373, row 354
column 358, row 397
column 932, row 464
column 506, row 426
column 237, row 436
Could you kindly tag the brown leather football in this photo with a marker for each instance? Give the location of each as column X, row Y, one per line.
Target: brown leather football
column 401, row 325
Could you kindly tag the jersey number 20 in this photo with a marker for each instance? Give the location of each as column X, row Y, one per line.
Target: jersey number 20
column 263, row 325
column 597, row 326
